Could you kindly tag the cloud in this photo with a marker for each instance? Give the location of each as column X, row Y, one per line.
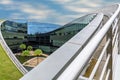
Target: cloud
column 16, row 16
column 63, row 1
column 91, row 3
column 26, row 9
column 70, row 9
column 43, row 13
column 6, row 2
column 79, row 5
column 78, row 9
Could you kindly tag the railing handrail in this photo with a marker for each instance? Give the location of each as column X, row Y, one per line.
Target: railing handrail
column 74, row 69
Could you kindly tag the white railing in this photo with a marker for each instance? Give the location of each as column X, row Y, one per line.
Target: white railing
column 11, row 55
column 73, row 70
column 83, row 50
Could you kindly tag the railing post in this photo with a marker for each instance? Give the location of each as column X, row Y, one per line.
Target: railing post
column 118, row 33
column 109, row 51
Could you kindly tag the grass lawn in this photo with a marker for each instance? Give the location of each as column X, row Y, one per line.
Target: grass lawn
column 8, row 70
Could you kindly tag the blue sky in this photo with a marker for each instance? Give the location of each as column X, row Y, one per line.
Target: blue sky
column 50, row 11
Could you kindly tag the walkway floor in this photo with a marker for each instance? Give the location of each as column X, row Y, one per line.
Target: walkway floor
column 117, row 69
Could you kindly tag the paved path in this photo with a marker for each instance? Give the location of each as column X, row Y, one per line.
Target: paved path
column 117, row 66
column 117, row 69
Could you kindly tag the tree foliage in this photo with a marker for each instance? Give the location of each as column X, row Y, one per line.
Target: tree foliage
column 25, row 53
column 22, row 46
column 38, row 52
column 29, row 48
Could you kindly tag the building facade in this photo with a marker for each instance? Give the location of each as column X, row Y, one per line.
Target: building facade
column 14, row 34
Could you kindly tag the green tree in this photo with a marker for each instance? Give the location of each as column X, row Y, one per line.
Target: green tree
column 26, row 53
column 22, row 47
column 29, row 48
column 37, row 53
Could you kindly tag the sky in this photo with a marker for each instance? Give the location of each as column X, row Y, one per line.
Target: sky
column 50, row 11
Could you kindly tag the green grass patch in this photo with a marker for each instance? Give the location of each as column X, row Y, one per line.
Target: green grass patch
column 8, row 70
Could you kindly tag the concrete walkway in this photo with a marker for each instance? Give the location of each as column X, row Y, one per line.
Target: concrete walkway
column 117, row 69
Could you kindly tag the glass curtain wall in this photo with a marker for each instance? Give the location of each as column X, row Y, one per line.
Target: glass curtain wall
column 14, row 34
column 48, row 38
